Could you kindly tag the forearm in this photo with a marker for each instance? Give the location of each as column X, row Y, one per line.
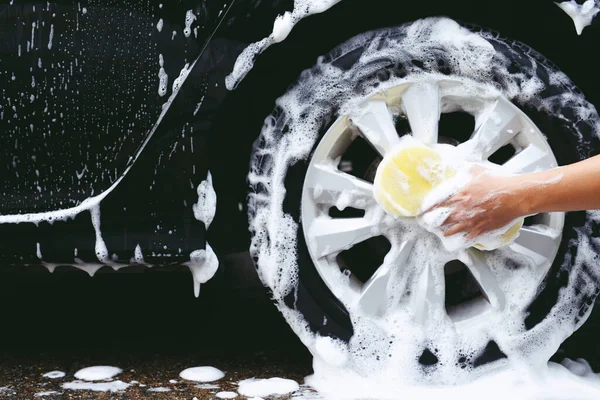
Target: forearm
column 570, row 188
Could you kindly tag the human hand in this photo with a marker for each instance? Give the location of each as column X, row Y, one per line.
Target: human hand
column 488, row 202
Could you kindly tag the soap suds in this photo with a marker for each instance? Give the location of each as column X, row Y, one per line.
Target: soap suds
column 88, row 380
column 163, row 78
column 201, row 374
column 98, row 373
column 581, row 14
column 190, row 17
column 381, row 360
column 51, row 36
column 204, row 263
column 207, row 386
column 226, row 395
column 160, row 389
column 115, row 386
column 267, row 387
column 205, row 208
column 47, row 393
column 54, row 375
column 282, row 27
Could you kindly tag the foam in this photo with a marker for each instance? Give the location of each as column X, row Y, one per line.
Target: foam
column 207, row 386
column 190, row 17
column 160, row 389
column 381, row 359
column 267, row 387
column 282, row 27
column 205, row 208
column 47, row 393
column 581, row 14
column 98, row 373
column 554, row 383
column 163, row 78
column 202, row 374
column 226, row 395
column 115, row 386
column 54, row 375
column 203, row 265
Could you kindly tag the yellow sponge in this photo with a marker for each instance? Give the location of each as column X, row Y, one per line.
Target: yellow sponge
column 408, row 174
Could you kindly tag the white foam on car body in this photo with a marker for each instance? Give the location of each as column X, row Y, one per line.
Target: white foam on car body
column 204, row 263
column 282, row 27
column 93, row 203
column 190, row 17
column 381, row 358
column 163, row 78
column 581, row 14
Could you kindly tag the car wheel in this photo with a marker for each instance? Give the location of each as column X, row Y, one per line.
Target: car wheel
column 348, row 276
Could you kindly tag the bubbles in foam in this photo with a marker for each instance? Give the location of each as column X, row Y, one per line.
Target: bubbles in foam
column 163, row 78
column 190, row 17
column 382, row 359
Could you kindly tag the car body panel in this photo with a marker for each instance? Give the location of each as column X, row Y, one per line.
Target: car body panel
column 160, row 155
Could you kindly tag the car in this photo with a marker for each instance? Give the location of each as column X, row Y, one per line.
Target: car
column 149, row 133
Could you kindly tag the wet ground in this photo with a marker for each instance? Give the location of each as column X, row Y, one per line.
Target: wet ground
column 22, row 376
column 148, row 323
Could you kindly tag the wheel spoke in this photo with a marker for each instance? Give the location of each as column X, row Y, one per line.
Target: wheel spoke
column 539, row 245
column 374, row 296
column 376, row 125
column 530, row 159
column 498, row 127
column 329, row 183
column 486, row 279
column 330, row 236
column 421, row 104
column 428, row 296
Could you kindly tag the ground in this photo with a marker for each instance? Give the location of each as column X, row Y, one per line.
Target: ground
column 23, row 374
column 150, row 325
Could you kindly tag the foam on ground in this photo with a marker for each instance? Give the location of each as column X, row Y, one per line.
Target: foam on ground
column 113, row 386
column 381, row 359
column 267, row 387
column 47, row 393
column 54, row 375
column 226, row 395
column 98, row 373
column 202, row 374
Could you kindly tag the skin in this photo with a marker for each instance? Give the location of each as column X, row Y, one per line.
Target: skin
column 490, row 202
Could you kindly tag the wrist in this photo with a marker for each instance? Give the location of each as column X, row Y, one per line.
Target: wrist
column 523, row 196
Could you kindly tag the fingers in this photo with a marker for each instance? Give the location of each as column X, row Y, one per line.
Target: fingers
column 454, row 229
column 446, row 203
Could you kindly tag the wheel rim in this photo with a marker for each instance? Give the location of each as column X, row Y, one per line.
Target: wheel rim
column 357, row 219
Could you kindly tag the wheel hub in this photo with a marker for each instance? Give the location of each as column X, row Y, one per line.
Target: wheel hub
column 331, row 184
